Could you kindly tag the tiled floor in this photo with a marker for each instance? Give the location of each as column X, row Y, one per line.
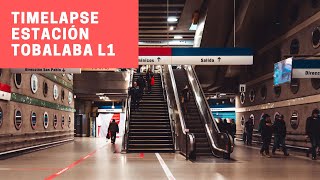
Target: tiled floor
column 89, row 158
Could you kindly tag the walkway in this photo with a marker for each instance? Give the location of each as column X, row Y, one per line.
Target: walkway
column 90, row 159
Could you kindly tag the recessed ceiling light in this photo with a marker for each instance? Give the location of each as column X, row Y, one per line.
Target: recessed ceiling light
column 172, row 19
column 171, row 28
column 177, row 37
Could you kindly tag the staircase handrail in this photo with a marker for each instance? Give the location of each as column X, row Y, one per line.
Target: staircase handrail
column 128, row 110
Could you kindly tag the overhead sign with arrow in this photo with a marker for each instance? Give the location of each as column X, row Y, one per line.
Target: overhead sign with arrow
column 47, row 70
column 195, row 56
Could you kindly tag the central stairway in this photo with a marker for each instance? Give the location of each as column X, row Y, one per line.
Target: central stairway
column 149, row 128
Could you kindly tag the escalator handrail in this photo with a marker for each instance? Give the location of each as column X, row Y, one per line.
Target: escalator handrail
column 201, row 93
column 192, row 140
column 176, row 95
column 165, row 94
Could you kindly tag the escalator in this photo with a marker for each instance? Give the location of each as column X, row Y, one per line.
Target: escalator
column 192, row 118
column 209, row 141
column 150, row 128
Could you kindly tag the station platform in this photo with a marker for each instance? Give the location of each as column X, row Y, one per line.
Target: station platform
column 94, row 158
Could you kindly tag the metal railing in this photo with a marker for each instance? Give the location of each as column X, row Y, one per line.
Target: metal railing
column 186, row 141
column 165, row 95
column 217, row 139
column 128, row 110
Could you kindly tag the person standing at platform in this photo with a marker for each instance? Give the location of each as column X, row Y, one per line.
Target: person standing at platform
column 249, row 130
column 313, row 132
column 221, row 125
column 113, row 129
column 265, row 128
column 280, row 132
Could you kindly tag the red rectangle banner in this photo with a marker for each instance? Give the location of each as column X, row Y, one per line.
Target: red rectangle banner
column 68, row 34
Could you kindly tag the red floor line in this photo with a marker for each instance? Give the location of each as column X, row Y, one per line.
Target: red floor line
column 71, row 165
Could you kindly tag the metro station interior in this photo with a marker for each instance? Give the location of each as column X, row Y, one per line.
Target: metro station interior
column 193, row 123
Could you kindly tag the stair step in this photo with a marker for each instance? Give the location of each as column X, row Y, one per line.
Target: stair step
column 149, row 120
column 146, row 146
column 150, row 125
column 149, row 137
column 150, row 150
column 149, row 130
column 146, row 133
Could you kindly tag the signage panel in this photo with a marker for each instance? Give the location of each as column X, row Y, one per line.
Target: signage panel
column 222, row 109
column 47, row 70
column 306, row 68
column 154, row 60
column 212, row 60
column 5, row 92
column 109, row 110
column 195, row 56
column 242, row 88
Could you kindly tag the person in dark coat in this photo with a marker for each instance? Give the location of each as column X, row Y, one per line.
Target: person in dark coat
column 141, row 82
column 227, row 126
column 280, row 132
column 265, row 128
column 233, row 128
column 113, row 130
column 221, row 125
column 249, row 130
column 185, row 98
column 313, row 132
column 136, row 94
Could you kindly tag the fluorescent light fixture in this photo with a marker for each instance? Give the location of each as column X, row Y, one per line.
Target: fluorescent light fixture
column 178, row 37
column 171, row 28
column 193, row 27
column 104, row 98
column 172, row 19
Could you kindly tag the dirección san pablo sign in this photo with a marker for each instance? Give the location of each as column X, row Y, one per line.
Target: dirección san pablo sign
column 68, row 34
column 306, row 68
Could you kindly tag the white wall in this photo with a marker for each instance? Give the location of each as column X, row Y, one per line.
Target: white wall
column 103, row 121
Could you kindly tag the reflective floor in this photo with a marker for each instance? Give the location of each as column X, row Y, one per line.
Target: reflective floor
column 89, row 158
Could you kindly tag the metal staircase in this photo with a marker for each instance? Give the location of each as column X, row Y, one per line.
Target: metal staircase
column 149, row 128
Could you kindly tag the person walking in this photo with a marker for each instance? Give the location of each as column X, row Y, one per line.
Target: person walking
column 313, row 132
column 136, row 94
column 280, row 132
column 265, row 128
column 149, row 75
column 141, row 82
column 113, row 129
column 249, row 130
column 185, row 98
column 152, row 83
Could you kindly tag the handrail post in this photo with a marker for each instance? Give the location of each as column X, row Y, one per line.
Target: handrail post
column 187, row 154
